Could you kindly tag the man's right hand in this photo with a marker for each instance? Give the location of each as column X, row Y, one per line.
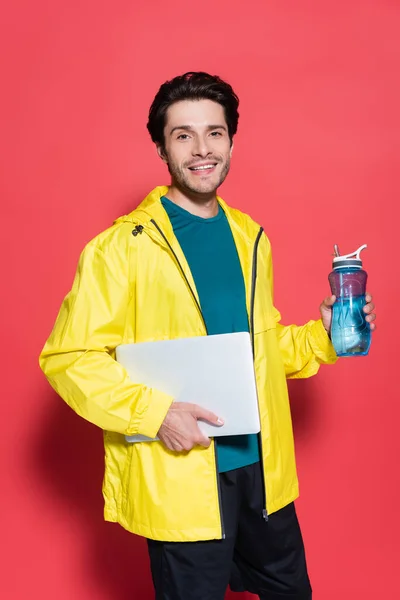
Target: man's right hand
column 180, row 431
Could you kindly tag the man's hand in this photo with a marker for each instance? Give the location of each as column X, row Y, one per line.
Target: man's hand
column 326, row 312
column 180, row 430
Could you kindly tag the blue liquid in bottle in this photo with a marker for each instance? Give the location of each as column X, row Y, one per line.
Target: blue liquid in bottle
column 351, row 334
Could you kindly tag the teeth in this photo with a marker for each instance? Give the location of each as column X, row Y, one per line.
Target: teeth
column 202, row 168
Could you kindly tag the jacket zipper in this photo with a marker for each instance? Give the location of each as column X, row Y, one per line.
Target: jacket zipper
column 252, row 302
column 183, row 273
column 205, row 326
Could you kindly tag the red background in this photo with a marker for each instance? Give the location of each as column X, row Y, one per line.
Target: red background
column 316, row 161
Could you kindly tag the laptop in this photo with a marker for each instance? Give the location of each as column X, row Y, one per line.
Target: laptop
column 214, row 371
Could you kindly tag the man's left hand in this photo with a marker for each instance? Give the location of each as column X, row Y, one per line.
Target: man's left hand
column 326, row 312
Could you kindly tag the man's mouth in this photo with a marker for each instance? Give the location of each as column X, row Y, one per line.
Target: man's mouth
column 206, row 168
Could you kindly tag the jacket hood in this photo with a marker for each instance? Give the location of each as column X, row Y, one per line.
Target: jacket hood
column 151, row 209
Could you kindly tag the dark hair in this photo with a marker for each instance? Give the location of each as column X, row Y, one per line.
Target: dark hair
column 192, row 86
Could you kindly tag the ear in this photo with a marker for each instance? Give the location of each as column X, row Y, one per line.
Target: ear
column 161, row 153
column 231, row 150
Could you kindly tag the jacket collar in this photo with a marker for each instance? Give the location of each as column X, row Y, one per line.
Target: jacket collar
column 151, row 209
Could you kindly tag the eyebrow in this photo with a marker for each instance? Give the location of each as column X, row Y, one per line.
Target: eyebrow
column 189, row 128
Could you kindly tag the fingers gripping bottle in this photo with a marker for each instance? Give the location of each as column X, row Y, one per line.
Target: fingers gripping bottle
column 350, row 332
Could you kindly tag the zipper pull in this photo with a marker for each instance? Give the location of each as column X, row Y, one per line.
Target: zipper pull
column 138, row 229
column 265, row 514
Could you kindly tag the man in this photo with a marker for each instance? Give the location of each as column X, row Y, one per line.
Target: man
column 185, row 264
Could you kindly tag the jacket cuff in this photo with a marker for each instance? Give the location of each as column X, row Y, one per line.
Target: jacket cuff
column 321, row 344
column 151, row 420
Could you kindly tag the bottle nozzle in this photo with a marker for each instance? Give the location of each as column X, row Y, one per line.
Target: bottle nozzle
column 353, row 258
column 358, row 252
column 355, row 254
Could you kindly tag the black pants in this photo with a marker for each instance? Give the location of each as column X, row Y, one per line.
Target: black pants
column 263, row 557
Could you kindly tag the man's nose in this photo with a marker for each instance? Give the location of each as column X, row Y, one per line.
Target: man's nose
column 201, row 147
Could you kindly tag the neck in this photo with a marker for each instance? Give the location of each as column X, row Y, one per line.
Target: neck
column 201, row 205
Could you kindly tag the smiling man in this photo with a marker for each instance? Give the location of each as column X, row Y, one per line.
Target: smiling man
column 185, row 264
column 197, row 148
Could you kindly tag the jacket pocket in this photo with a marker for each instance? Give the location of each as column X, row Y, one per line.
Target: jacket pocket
column 264, row 321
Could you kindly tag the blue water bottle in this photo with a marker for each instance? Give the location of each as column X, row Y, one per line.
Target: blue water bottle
column 350, row 332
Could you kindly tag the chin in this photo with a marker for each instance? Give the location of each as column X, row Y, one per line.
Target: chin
column 205, row 189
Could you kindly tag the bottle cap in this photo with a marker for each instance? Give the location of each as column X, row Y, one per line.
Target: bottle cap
column 348, row 260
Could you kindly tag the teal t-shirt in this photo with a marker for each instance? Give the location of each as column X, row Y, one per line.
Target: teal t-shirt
column 211, row 253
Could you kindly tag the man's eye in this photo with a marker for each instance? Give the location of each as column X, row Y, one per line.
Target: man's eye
column 216, row 133
column 182, row 136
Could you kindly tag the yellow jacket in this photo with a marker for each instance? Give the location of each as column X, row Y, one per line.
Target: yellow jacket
column 133, row 284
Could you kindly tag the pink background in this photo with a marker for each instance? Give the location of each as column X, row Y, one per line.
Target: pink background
column 316, row 162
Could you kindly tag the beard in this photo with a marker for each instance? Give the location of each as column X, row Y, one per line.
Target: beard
column 197, row 184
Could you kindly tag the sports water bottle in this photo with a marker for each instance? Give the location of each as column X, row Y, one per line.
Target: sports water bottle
column 350, row 332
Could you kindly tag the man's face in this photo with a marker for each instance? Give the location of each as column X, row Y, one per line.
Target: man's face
column 197, row 145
